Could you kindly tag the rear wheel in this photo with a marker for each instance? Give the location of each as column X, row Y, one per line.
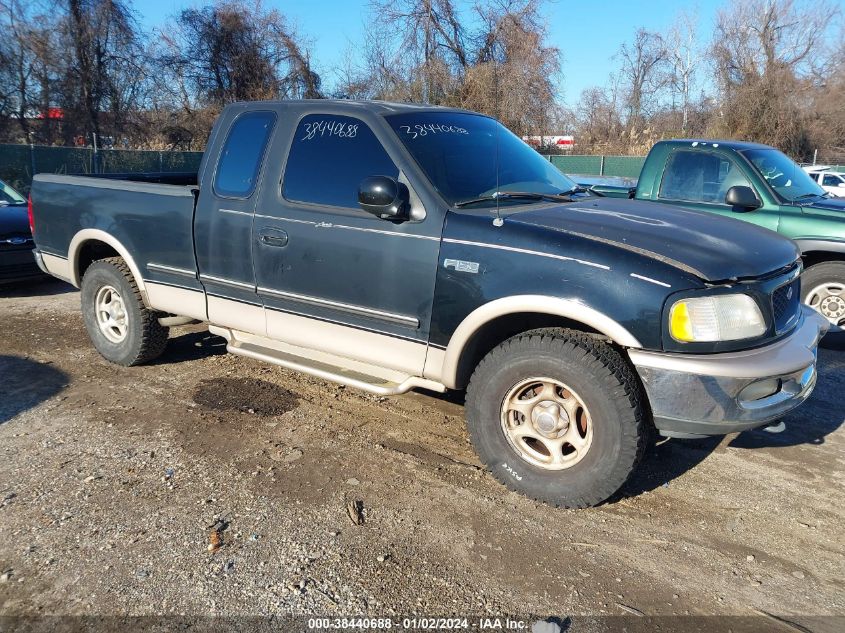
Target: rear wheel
column 823, row 289
column 557, row 415
column 121, row 327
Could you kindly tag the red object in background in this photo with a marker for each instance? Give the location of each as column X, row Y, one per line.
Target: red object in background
column 52, row 113
column 566, row 141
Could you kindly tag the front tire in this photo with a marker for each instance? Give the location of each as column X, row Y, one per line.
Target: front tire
column 121, row 327
column 823, row 289
column 557, row 416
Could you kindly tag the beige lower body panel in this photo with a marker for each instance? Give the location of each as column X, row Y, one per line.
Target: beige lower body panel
column 400, row 355
column 57, row 266
column 178, row 301
column 237, row 315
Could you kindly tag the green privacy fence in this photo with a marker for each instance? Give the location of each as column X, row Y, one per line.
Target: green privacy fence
column 625, row 166
column 19, row 163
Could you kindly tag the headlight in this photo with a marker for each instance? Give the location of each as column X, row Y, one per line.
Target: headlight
column 717, row 318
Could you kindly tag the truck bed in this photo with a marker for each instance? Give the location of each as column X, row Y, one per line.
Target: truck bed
column 150, row 214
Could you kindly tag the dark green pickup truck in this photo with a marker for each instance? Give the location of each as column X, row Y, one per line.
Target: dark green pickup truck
column 758, row 184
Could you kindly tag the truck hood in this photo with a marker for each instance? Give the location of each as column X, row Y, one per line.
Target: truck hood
column 828, row 204
column 712, row 247
column 14, row 221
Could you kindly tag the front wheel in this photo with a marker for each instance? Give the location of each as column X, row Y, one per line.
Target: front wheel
column 557, row 415
column 823, row 289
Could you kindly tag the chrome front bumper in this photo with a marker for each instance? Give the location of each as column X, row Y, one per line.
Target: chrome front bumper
column 714, row 394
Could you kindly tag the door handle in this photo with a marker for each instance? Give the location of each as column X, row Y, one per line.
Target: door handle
column 273, row 237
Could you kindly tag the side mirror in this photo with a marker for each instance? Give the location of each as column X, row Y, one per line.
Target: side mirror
column 742, row 198
column 384, row 197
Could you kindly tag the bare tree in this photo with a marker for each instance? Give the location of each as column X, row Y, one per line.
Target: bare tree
column 643, row 65
column 234, row 51
column 27, row 66
column 514, row 75
column 430, row 34
column 101, row 67
column 685, row 55
column 765, row 55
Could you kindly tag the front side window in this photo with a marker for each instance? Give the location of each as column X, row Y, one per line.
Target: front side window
column 242, row 154
column 790, row 181
column 329, row 157
column 832, row 180
column 469, row 156
column 696, row 176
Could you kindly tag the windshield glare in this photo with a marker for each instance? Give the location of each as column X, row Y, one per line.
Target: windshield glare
column 468, row 156
column 9, row 195
column 783, row 174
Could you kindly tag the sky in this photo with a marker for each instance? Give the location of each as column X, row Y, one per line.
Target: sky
column 587, row 33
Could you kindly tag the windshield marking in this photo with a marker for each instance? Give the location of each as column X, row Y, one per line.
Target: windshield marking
column 424, row 129
column 527, row 252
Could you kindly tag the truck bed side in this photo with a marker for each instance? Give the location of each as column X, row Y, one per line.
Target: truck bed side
column 152, row 222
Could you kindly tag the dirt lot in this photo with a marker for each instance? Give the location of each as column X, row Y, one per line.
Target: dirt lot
column 114, row 481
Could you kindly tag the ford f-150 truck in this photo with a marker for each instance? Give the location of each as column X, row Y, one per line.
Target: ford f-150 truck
column 390, row 247
column 761, row 185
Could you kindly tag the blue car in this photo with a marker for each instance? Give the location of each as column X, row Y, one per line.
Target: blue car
column 17, row 262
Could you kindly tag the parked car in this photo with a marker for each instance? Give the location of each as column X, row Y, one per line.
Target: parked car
column 392, row 246
column 831, row 181
column 762, row 186
column 17, row 262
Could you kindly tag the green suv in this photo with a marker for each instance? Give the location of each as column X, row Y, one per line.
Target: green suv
column 758, row 184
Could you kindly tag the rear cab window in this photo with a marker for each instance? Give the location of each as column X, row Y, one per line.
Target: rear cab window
column 242, row 154
column 696, row 176
column 329, row 157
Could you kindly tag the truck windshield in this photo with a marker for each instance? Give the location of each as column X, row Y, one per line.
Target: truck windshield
column 471, row 157
column 791, row 182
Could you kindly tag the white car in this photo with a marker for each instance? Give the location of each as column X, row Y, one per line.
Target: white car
column 831, row 181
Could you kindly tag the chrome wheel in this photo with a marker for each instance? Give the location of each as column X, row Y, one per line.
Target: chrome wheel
column 829, row 300
column 111, row 314
column 546, row 423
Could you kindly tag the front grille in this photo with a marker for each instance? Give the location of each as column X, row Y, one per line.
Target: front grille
column 786, row 302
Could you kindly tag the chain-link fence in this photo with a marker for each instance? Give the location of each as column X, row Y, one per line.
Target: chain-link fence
column 19, row 163
column 625, row 166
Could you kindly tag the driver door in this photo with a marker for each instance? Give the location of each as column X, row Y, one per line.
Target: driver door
column 365, row 285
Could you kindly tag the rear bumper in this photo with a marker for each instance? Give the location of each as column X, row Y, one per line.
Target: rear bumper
column 715, row 394
column 18, row 265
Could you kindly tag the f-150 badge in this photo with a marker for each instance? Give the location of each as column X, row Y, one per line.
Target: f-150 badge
column 461, row 266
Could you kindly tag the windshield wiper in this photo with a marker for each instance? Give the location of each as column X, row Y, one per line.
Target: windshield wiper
column 510, row 195
column 810, row 195
column 580, row 189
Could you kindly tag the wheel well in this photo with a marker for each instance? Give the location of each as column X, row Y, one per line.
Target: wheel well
column 91, row 251
column 502, row 328
column 817, row 257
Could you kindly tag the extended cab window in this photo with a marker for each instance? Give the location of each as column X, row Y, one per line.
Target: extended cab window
column 329, row 157
column 243, row 151
column 700, row 177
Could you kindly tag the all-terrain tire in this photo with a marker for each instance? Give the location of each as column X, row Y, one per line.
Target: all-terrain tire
column 145, row 338
column 831, row 275
column 609, row 389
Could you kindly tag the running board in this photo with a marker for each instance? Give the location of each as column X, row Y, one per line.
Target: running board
column 378, row 386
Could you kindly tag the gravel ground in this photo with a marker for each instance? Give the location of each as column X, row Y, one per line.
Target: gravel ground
column 208, row 484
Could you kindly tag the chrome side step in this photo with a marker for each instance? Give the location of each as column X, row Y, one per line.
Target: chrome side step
column 351, row 378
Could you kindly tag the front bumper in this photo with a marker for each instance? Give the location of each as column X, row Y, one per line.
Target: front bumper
column 18, row 265
column 715, row 394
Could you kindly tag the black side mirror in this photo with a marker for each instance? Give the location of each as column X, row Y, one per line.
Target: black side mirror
column 384, row 197
column 742, row 198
